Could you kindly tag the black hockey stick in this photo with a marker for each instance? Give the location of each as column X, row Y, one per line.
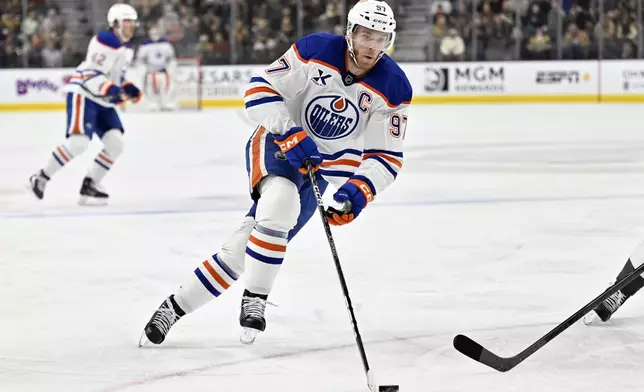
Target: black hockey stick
column 345, row 290
column 480, row 354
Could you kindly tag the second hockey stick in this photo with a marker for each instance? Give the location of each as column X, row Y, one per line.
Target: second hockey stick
column 345, row 290
column 480, row 354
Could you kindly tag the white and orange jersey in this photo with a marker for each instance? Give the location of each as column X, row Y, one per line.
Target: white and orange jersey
column 156, row 56
column 103, row 67
column 358, row 123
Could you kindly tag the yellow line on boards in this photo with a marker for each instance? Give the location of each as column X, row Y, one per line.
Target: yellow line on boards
column 423, row 99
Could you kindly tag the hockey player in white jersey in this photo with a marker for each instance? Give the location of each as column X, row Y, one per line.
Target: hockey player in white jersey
column 95, row 88
column 604, row 311
column 338, row 101
column 158, row 58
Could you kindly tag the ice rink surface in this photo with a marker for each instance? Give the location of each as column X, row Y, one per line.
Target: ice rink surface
column 504, row 221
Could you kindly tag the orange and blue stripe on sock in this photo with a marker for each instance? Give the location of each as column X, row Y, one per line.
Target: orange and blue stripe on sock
column 103, row 160
column 215, row 275
column 62, row 155
column 267, row 245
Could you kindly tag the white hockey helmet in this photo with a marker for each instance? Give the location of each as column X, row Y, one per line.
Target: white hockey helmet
column 120, row 12
column 375, row 15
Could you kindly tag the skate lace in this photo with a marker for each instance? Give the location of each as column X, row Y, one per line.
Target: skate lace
column 254, row 307
column 616, row 300
column 164, row 319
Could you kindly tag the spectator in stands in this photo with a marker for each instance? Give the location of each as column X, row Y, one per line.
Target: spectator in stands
column 440, row 7
column 626, row 29
column 30, row 25
column 461, row 19
column 190, row 27
column 539, row 46
column 51, row 56
column 575, row 43
column 536, row 18
column 480, row 29
column 216, row 27
column 10, row 55
column 439, row 29
column 203, row 48
column 52, row 25
column 221, row 49
column 330, row 18
column 628, row 51
column 242, row 36
column 611, row 47
column 581, row 17
column 556, row 18
column 286, row 35
column 71, row 53
column 508, row 15
column 312, row 9
column 499, row 39
column 452, row 46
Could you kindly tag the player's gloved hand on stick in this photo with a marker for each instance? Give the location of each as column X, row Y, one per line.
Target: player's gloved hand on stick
column 298, row 147
column 114, row 94
column 355, row 194
column 132, row 91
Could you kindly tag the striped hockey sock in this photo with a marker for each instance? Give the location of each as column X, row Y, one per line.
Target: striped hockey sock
column 59, row 158
column 211, row 278
column 265, row 253
column 101, row 166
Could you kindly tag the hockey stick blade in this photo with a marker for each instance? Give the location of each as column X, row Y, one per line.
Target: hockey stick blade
column 472, row 349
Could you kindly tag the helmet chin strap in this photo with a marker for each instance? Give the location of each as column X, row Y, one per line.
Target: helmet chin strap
column 119, row 30
column 353, row 57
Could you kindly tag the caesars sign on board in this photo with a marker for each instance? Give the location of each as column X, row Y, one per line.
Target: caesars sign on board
column 217, row 82
column 633, row 79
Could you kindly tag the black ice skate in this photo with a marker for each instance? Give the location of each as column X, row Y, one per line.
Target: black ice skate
column 251, row 316
column 606, row 309
column 162, row 320
column 37, row 184
column 91, row 195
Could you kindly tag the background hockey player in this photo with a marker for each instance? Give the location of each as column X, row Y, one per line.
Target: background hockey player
column 94, row 89
column 156, row 55
column 605, row 310
column 337, row 101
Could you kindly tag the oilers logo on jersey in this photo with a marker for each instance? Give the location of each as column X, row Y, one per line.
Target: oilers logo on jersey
column 331, row 117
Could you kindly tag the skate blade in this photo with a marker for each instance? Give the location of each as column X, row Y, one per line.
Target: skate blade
column 591, row 318
column 248, row 335
column 92, row 201
column 143, row 340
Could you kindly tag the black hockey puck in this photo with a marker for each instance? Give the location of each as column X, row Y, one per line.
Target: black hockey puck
column 388, row 388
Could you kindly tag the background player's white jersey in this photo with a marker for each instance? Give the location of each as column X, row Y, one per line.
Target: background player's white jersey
column 157, row 56
column 104, row 66
column 358, row 124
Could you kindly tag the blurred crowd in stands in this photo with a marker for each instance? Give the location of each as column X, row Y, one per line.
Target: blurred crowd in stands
column 35, row 36
column 535, row 29
column 257, row 31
